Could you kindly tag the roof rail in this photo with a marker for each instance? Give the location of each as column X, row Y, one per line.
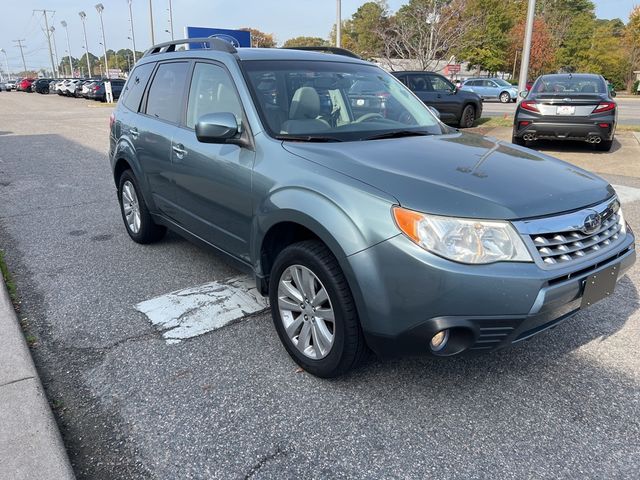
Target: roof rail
column 207, row 43
column 335, row 50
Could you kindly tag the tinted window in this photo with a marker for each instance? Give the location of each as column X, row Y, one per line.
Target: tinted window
column 134, row 89
column 211, row 91
column 419, row 83
column 165, row 93
column 439, row 84
column 569, row 84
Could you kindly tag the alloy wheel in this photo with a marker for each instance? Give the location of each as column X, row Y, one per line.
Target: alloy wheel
column 306, row 312
column 131, row 206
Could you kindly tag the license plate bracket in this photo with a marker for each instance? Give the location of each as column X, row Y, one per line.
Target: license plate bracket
column 600, row 285
column 566, row 110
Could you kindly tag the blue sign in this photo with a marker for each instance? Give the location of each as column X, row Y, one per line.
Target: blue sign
column 237, row 38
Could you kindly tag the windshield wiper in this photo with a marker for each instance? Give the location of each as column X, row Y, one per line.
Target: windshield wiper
column 399, row 134
column 308, row 138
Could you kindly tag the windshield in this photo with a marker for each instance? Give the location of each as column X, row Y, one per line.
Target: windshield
column 335, row 101
column 502, row 82
column 564, row 84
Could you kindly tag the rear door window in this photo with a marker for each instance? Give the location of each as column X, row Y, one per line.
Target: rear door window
column 134, row 90
column 164, row 100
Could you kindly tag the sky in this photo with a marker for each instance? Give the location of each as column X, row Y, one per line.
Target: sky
column 284, row 18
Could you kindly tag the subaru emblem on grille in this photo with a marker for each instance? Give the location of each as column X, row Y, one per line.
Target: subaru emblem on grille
column 591, row 223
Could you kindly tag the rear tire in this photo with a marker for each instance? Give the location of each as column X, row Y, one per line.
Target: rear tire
column 468, row 117
column 518, row 141
column 135, row 214
column 315, row 263
column 604, row 145
column 505, row 97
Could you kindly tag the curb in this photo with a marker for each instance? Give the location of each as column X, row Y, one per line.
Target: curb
column 637, row 135
column 30, row 443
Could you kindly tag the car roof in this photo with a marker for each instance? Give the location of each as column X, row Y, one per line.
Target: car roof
column 399, row 72
column 571, row 75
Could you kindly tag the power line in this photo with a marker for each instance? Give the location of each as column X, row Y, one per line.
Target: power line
column 48, row 34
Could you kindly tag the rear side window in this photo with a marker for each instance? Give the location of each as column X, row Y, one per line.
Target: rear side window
column 164, row 99
column 134, row 90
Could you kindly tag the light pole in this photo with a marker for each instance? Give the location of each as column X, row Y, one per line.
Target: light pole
column 338, row 23
column 66, row 28
column 171, row 19
column 52, row 30
column 153, row 39
column 133, row 35
column 526, row 51
column 6, row 60
column 83, row 17
column 99, row 9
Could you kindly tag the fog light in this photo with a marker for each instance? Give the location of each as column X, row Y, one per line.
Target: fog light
column 439, row 340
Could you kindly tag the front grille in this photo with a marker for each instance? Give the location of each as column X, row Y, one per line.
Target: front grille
column 565, row 247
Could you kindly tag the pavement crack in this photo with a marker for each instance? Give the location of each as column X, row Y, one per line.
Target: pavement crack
column 278, row 452
column 141, row 336
column 16, row 381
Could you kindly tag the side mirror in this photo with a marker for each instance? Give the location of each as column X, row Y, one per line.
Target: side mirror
column 216, row 127
column 523, row 94
column 613, row 93
column 435, row 112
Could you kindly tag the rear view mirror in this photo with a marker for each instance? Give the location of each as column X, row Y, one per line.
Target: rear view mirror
column 216, row 127
column 523, row 94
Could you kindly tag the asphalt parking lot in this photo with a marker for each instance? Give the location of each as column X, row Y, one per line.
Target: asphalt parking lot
column 230, row 403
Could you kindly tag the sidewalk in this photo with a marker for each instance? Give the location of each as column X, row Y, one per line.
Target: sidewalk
column 30, row 443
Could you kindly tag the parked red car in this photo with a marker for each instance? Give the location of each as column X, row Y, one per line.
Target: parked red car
column 25, row 84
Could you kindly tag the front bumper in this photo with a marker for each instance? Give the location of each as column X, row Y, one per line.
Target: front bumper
column 405, row 295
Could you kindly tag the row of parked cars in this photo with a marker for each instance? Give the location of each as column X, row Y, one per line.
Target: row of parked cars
column 93, row 88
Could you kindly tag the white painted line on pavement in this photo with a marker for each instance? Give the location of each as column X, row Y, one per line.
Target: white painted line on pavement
column 627, row 194
column 193, row 311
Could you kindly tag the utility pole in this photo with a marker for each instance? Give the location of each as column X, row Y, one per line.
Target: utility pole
column 526, row 51
column 52, row 31
column 21, row 46
column 64, row 24
column 153, row 39
column 83, row 17
column 338, row 23
column 133, row 35
column 171, row 20
column 46, row 25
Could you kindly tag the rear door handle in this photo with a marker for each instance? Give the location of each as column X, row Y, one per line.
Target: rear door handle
column 134, row 132
column 179, row 150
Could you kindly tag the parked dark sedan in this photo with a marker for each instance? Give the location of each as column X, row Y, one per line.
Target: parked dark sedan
column 456, row 107
column 98, row 91
column 41, row 85
column 567, row 107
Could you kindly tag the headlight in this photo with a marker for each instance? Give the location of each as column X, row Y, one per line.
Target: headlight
column 621, row 221
column 463, row 240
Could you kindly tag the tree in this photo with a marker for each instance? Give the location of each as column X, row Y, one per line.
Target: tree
column 365, row 26
column 260, row 39
column 485, row 43
column 305, row 42
column 543, row 53
column 632, row 43
column 425, row 31
column 606, row 54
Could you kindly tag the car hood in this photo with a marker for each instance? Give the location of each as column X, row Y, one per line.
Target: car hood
column 463, row 175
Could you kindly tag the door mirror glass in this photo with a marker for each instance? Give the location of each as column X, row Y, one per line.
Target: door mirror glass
column 435, row 112
column 613, row 93
column 524, row 93
column 216, row 127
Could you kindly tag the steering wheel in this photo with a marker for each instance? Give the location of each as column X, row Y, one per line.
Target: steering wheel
column 368, row 116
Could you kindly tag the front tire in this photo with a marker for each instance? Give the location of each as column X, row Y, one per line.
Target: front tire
column 135, row 214
column 468, row 117
column 505, row 97
column 314, row 312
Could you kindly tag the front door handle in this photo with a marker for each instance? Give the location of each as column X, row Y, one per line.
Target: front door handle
column 134, row 132
column 179, row 150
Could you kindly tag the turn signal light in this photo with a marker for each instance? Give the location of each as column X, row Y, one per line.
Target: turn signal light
column 604, row 107
column 530, row 105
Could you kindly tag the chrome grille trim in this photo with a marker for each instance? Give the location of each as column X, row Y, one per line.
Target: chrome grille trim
column 559, row 240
